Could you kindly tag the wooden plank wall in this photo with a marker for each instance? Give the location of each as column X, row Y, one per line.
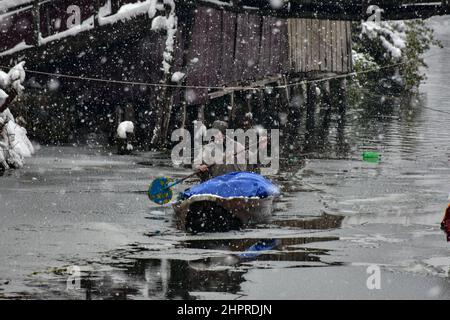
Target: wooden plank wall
column 319, row 45
column 235, row 48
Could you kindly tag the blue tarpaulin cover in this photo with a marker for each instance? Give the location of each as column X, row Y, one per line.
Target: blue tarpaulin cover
column 235, row 184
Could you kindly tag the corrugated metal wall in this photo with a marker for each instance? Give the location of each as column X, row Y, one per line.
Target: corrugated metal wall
column 319, row 45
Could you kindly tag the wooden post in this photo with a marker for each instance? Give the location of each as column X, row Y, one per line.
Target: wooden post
column 327, row 95
column 325, row 115
column 339, row 98
column 291, row 141
column 184, row 116
column 248, row 117
column 261, row 107
column 310, row 100
column 342, row 95
column 232, row 111
column 288, row 96
column 310, row 114
column 248, row 99
column 36, row 23
column 201, row 113
column 284, row 115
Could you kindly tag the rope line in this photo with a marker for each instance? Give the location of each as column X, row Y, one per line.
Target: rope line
column 436, row 110
column 243, row 88
column 341, row 76
column 233, row 88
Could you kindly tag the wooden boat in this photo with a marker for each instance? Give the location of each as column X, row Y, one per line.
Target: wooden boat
column 209, row 213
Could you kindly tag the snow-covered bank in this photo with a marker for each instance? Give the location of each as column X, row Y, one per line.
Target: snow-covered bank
column 14, row 143
column 397, row 49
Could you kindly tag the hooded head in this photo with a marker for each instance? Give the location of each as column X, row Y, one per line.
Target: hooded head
column 222, row 126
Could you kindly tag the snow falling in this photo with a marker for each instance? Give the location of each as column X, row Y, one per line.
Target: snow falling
column 95, row 97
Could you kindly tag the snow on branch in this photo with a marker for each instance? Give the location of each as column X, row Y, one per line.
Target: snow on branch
column 391, row 34
column 170, row 24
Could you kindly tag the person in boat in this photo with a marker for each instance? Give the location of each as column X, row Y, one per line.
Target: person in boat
column 445, row 224
column 208, row 169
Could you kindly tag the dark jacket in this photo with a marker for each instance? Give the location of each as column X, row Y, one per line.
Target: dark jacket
column 222, row 168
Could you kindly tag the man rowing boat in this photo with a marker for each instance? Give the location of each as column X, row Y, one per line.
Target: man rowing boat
column 206, row 163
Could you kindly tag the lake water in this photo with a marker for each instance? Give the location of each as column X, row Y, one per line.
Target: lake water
column 340, row 215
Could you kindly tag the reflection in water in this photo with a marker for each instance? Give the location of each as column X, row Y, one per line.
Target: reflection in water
column 246, row 243
column 325, row 222
column 332, row 129
column 152, row 278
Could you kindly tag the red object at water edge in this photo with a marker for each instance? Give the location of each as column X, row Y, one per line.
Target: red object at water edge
column 445, row 224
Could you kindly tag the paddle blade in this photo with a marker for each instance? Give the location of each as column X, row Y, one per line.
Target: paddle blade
column 159, row 193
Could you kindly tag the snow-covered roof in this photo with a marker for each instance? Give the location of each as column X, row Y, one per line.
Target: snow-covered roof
column 6, row 5
column 126, row 12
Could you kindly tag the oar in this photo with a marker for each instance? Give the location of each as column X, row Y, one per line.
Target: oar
column 160, row 191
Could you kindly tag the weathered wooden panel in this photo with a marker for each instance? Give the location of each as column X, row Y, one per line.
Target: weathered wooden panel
column 284, row 45
column 345, row 54
column 329, row 45
column 228, row 36
column 276, row 32
column 265, row 51
column 303, row 39
column 241, row 50
column 349, row 46
column 338, row 47
column 15, row 28
column 322, row 45
column 334, row 35
column 198, row 52
column 319, row 45
column 254, row 44
column 234, row 47
column 215, row 48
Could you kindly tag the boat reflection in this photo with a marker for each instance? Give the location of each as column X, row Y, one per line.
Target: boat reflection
column 158, row 278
